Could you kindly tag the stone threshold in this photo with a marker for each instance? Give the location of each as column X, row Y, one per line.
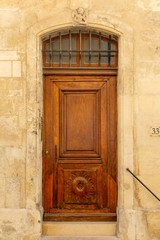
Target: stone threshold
column 59, row 229
column 79, row 238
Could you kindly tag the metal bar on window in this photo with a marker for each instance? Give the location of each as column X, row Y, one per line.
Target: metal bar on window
column 69, row 48
column 106, row 51
column 109, row 52
column 80, row 48
column 50, row 50
column 90, row 48
column 99, row 49
column 52, row 54
column 60, row 50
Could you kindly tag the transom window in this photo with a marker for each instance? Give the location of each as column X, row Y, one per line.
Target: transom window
column 80, row 49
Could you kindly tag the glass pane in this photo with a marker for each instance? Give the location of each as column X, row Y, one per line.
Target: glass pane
column 104, row 55
column 94, row 46
column 55, row 46
column 55, row 55
column 86, row 47
column 65, row 46
column 112, row 54
column 73, row 47
column 94, row 55
column 47, row 54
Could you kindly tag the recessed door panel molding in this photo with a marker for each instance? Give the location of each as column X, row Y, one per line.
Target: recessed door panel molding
column 80, row 116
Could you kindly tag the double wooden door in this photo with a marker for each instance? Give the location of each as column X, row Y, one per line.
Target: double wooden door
column 80, row 148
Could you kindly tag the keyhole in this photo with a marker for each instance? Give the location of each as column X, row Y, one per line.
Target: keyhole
column 80, row 186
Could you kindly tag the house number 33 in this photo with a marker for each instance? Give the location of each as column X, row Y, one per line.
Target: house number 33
column 155, row 131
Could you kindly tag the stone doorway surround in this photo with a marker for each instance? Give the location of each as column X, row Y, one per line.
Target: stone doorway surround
column 125, row 111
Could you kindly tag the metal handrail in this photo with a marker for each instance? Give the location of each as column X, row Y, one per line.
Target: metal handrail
column 142, row 183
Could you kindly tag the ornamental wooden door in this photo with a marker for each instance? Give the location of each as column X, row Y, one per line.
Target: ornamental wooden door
column 80, row 148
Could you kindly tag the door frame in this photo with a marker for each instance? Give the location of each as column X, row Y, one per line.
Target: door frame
column 34, row 99
column 65, row 74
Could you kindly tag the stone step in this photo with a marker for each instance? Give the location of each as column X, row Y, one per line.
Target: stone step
column 79, row 238
column 79, row 229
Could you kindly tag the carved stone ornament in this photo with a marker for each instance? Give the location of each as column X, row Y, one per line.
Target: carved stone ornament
column 80, row 16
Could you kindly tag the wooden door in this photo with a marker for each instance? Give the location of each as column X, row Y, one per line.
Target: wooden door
column 80, row 148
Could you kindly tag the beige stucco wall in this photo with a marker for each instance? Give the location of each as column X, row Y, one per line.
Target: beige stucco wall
column 22, row 24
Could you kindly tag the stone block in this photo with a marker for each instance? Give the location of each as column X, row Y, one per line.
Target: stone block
column 149, row 87
column 2, row 162
column 153, row 223
column 5, row 69
column 148, row 159
column 16, row 168
column 9, row 19
column 15, row 84
column 8, row 55
column 62, row 3
column 9, row 232
column 147, row 116
column 79, row 238
column 80, row 3
column 76, row 229
column 16, row 68
column 3, row 87
column 31, row 176
column 147, row 72
column 126, row 87
column 7, row 106
column 2, row 192
column 12, row 192
column 116, row 5
column 17, row 224
column 11, row 39
column 126, row 224
column 12, row 105
column 141, row 226
column 147, row 225
column 12, row 4
column 144, row 198
column 10, row 134
column 17, row 153
column 31, row 237
column 146, row 38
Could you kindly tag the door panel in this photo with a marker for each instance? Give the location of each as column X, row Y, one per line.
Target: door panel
column 80, row 122
column 79, row 186
column 80, row 171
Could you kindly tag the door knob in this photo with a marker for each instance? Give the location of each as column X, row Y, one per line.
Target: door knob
column 46, row 152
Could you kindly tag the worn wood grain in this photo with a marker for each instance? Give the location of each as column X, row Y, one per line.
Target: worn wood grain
column 80, row 176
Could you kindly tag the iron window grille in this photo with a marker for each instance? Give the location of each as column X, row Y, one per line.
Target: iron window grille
column 80, row 49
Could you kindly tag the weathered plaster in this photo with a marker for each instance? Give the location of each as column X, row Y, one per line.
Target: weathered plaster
column 22, row 26
column 125, row 96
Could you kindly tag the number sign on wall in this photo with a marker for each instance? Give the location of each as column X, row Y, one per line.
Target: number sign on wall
column 155, row 131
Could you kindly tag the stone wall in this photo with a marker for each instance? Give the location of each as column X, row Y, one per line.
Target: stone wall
column 22, row 24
